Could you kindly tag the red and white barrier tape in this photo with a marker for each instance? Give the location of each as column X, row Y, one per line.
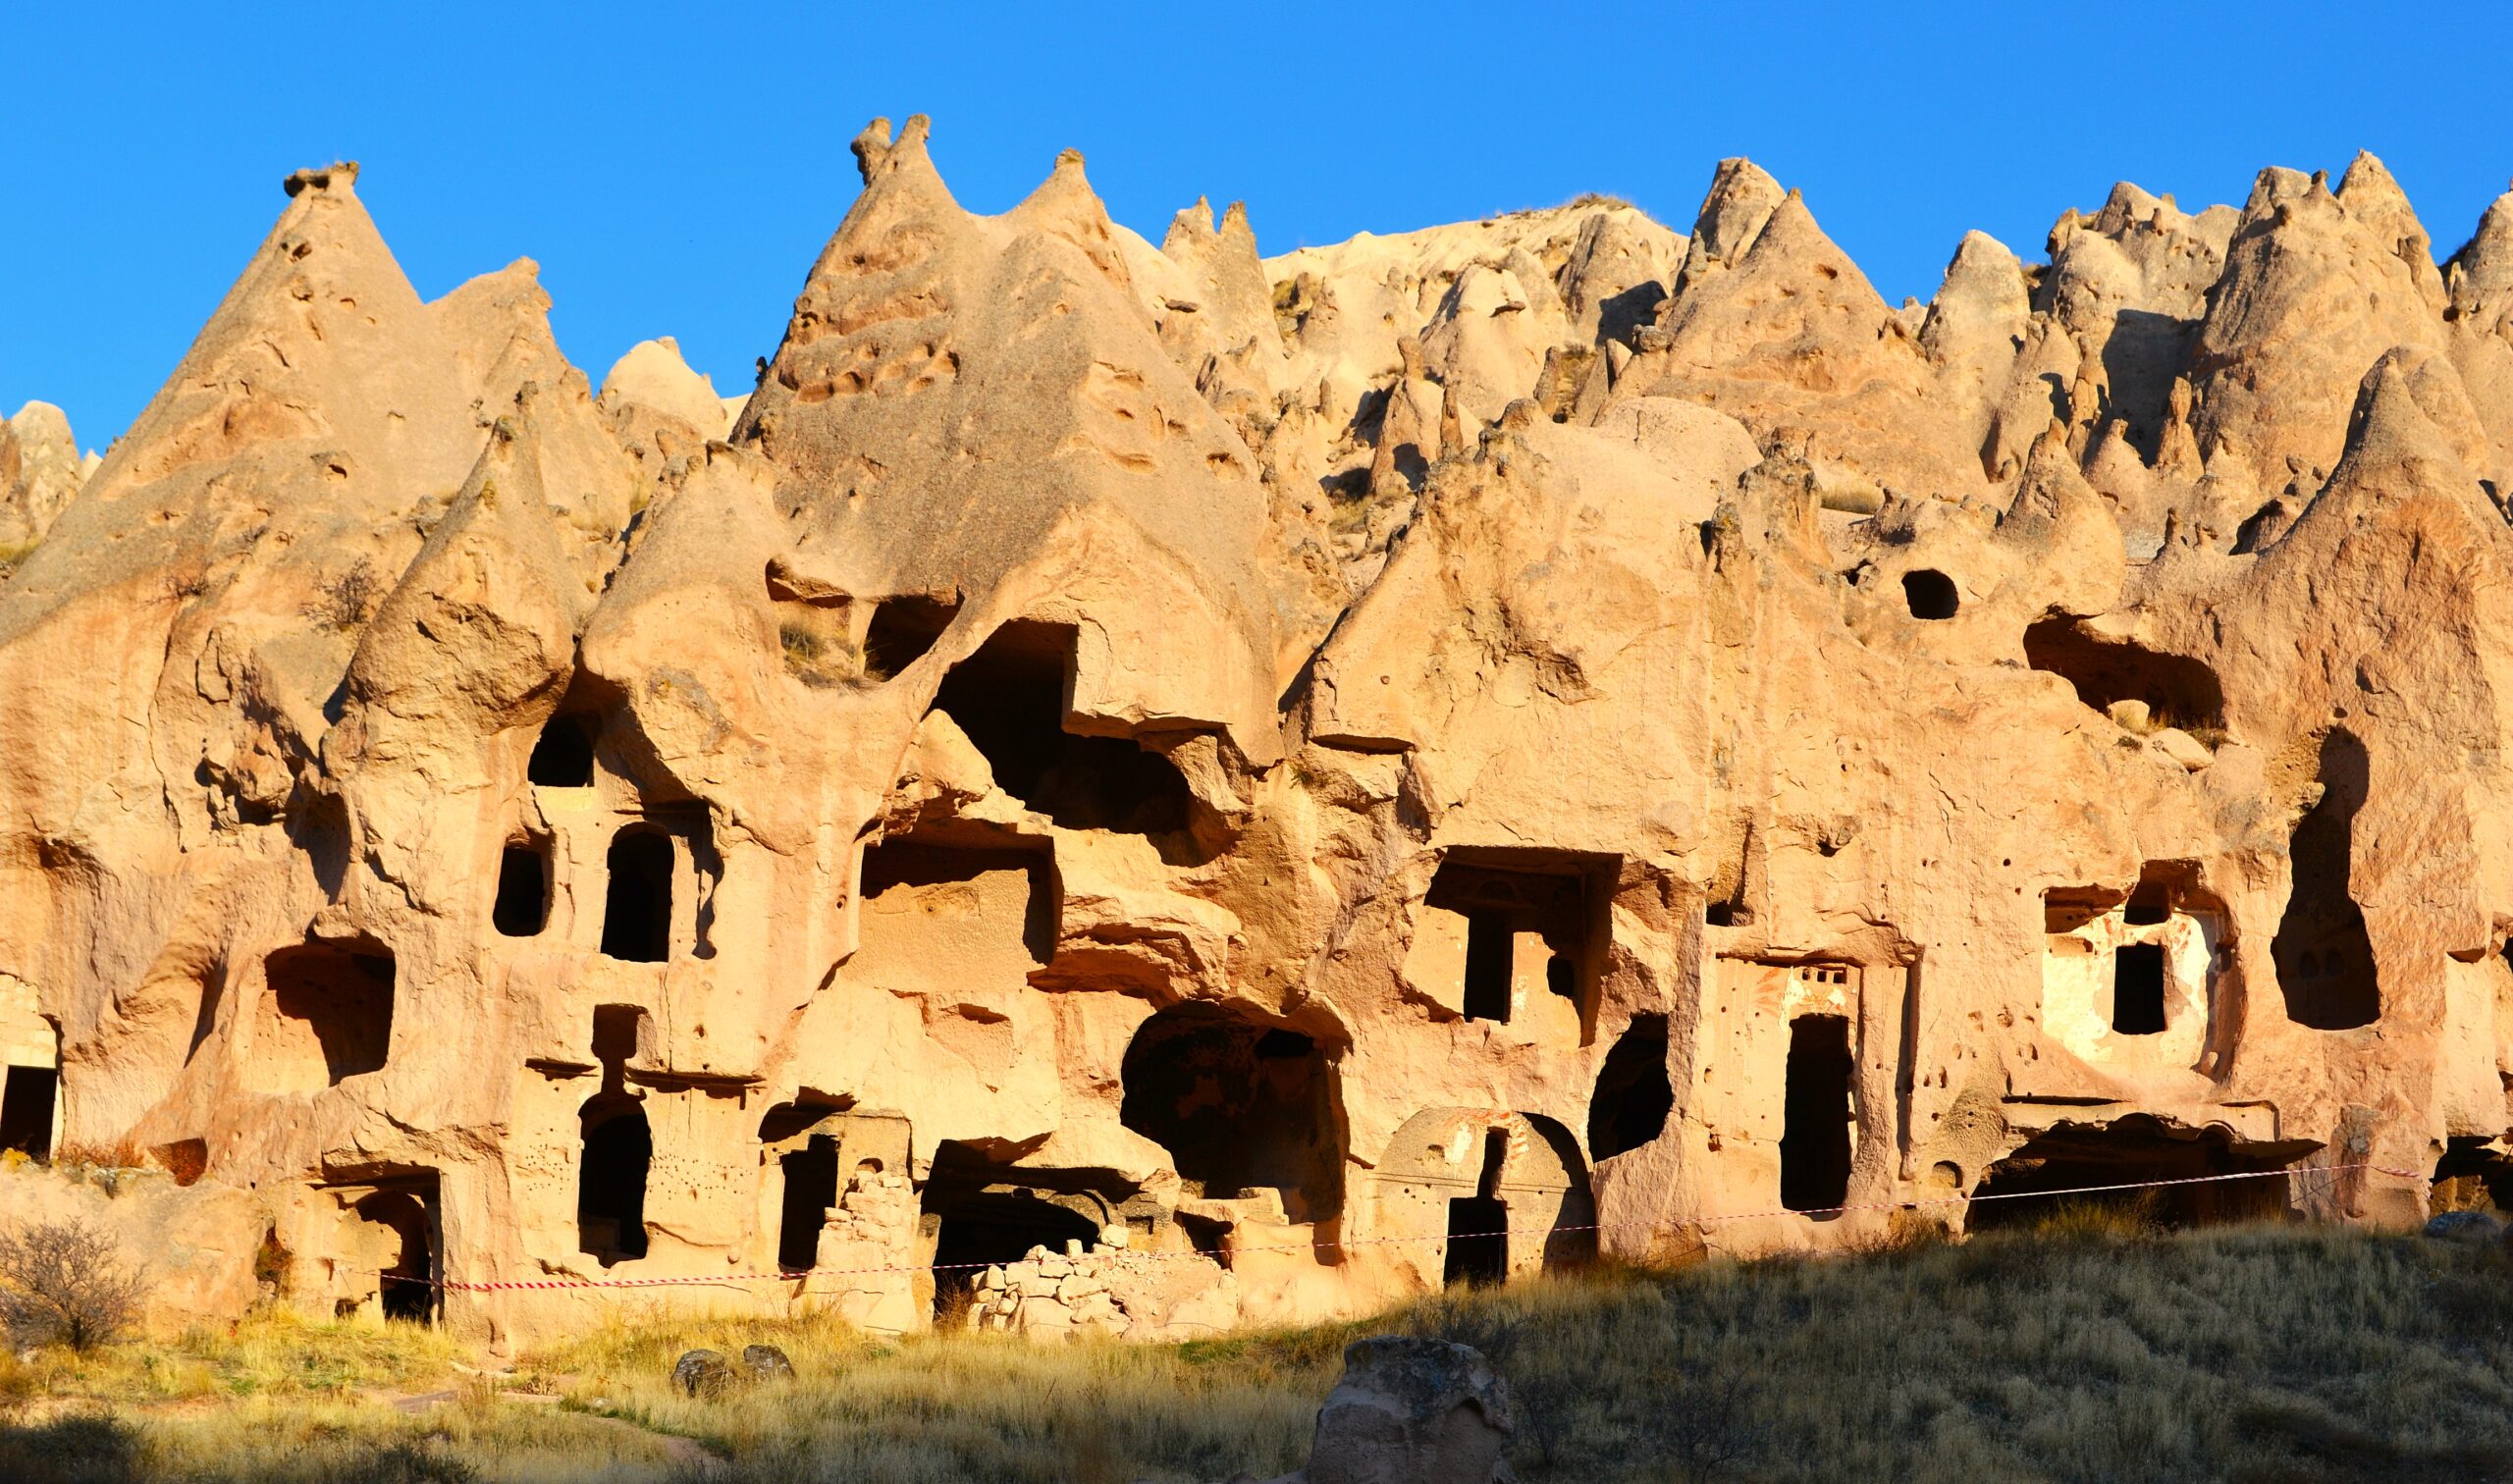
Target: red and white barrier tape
column 799, row 1274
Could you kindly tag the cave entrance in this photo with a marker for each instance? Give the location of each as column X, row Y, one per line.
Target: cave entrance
column 636, row 913
column 1816, row 1143
column 328, row 1015
column 2325, row 959
column 1930, row 594
column 1633, row 1095
column 398, row 1226
column 902, row 630
column 610, row 1183
column 1478, row 1235
column 811, row 1190
column 2137, row 989
column 2127, row 1152
column 2472, row 1176
column 521, row 908
column 26, row 1101
column 1239, row 1106
column 1011, row 699
column 984, row 1214
column 563, row 755
column 2177, row 691
column 987, row 1230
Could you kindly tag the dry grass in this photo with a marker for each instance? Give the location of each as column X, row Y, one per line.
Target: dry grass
column 2087, row 1349
column 271, row 1354
column 823, row 660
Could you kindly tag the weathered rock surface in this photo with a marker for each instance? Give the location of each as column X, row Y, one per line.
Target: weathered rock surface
column 41, row 469
column 1412, row 1411
column 1133, row 790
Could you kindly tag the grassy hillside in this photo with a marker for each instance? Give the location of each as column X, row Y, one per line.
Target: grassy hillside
column 2074, row 1351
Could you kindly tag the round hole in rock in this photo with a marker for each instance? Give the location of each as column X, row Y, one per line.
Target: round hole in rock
column 1930, row 593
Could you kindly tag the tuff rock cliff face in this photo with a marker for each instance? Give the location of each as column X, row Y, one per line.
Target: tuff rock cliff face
column 1168, row 783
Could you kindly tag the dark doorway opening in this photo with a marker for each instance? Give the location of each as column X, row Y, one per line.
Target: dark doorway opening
column 1814, row 1141
column 1010, row 699
column 2470, row 1176
column 636, row 913
column 25, row 1110
column 405, row 1286
column 901, row 631
column 2127, row 1152
column 2179, row 691
column 562, row 757
column 811, row 1189
column 1489, row 945
column 1931, row 594
column 610, row 1187
column 1238, row 1106
column 522, row 906
column 1633, row 1095
column 983, row 1229
column 2325, row 959
column 2137, row 989
column 1479, row 1246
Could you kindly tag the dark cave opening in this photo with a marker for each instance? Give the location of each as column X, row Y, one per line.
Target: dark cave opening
column 521, row 908
column 1010, row 699
column 636, row 913
column 2177, row 691
column 1633, row 1095
column 611, row 1185
column 1238, row 1106
column 562, row 757
column 1814, row 1141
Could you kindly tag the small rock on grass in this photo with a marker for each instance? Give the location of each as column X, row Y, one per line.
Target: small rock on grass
column 765, row 1362
column 701, row 1373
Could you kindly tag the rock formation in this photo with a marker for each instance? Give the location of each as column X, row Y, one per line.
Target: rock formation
column 41, row 469
column 1144, row 789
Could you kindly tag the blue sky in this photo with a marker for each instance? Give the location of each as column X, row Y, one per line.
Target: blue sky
column 674, row 172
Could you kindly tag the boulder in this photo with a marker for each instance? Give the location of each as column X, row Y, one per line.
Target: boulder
column 2465, row 1228
column 703, row 1373
column 1412, row 1411
column 765, row 1362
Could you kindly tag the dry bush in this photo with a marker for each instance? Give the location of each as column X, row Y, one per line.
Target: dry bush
column 346, row 601
column 123, row 1153
column 65, row 1282
column 821, row 660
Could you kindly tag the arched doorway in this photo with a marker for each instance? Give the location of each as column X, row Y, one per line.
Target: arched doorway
column 611, row 1186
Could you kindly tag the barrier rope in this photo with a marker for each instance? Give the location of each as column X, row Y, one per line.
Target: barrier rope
column 1123, row 1255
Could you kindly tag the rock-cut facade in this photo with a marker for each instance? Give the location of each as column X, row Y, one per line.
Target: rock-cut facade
column 1150, row 788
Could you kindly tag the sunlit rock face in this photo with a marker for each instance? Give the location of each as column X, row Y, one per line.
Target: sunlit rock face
column 1148, row 789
